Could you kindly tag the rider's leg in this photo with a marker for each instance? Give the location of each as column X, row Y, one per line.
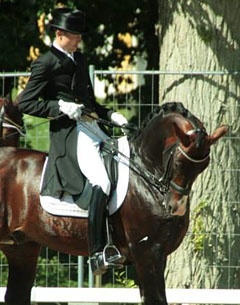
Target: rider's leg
column 96, row 230
column 90, row 161
column 92, row 166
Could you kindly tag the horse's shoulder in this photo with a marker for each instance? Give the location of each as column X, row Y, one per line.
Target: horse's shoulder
column 22, row 153
column 30, row 153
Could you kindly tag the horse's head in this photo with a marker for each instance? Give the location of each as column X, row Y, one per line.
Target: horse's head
column 174, row 148
column 190, row 155
column 11, row 121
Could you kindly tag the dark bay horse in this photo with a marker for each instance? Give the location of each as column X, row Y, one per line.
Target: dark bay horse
column 167, row 154
column 11, row 122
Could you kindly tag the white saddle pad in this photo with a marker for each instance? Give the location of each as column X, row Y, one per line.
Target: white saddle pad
column 67, row 207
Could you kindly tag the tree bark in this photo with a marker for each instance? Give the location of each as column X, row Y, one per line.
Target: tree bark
column 204, row 36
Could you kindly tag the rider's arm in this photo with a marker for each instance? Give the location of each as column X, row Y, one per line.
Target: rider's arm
column 31, row 100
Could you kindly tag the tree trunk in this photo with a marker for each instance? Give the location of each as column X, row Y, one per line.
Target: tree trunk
column 204, row 36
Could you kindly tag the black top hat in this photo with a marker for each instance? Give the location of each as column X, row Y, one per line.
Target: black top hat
column 69, row 20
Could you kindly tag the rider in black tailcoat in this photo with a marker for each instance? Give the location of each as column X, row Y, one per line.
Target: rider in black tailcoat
column 58, row 88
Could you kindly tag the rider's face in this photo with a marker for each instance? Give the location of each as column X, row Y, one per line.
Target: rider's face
column 68, row 41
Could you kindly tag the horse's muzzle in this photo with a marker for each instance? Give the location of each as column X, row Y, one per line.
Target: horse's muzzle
column 176, row 205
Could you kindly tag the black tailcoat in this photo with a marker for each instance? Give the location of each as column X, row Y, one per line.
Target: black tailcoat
column 55, row 76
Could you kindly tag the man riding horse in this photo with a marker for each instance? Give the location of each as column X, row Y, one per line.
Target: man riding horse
column 60, row 88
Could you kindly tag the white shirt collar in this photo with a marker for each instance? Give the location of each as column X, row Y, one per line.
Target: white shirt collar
column 57, row 46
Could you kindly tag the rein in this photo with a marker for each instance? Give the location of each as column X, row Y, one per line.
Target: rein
column 8, row 123
column 108, row 123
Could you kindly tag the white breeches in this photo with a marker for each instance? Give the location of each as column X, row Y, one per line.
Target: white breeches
column 88, row 151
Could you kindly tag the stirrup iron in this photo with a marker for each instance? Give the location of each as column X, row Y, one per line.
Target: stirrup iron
column 111, row 255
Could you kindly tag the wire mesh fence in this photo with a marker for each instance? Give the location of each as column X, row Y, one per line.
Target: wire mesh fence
column 134, row 93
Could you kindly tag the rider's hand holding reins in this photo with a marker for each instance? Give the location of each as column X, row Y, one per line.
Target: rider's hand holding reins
column 72, row 110
column 118, row 119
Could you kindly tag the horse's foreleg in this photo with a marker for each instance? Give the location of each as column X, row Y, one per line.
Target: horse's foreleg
column 22, row 261
column 150, row 264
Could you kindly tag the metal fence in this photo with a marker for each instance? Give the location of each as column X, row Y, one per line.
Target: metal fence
column 125, row 90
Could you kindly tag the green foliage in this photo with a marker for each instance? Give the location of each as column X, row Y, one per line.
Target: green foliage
column 123, row 278
column 137, row 18
column 104, row 43
column 53, row 273
column 198, row 230
column 124, row 281
column 4, row 270
column 18, row 30
column 37, row 133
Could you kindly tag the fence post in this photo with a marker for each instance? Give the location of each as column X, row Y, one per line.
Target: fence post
column 91, row 73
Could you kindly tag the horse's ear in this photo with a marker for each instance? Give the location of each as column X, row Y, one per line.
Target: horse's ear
column 185, row 139
column 218, row 133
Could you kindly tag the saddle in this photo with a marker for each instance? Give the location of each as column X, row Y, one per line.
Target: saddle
column 109, row 151
column 116, row 159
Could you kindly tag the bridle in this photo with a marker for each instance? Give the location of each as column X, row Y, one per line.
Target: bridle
column 185, row 190
column 164, row 183
column 6, row 122
column 13, row 125
column 166, row 178
column 190, row 158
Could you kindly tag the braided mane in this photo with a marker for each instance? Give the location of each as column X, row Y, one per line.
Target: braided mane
column 164, row 110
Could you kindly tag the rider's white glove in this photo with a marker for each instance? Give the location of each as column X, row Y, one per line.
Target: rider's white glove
column 118, row 119
column 72, row 110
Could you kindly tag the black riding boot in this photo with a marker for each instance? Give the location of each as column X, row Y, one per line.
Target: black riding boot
column 97, row 233
column 97, row 220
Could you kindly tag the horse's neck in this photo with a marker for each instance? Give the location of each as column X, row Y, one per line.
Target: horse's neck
column 154, row 139
column 147, row 151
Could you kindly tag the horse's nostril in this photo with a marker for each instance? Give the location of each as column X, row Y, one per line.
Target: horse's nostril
column 173, row 209
column 179, row 207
